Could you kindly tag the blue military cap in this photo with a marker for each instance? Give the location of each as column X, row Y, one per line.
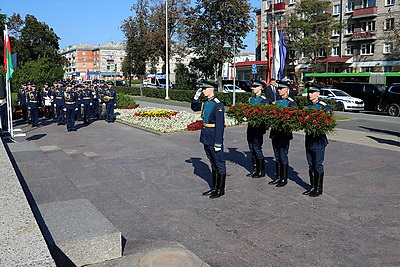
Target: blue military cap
column 33, row 85
column 257, row 83
column 110, row 83
column 313, row 87
column 282, row 85
column 102, row 81
column 205, row 85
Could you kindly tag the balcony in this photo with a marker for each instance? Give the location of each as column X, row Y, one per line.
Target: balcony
column 365, row 12
column 279, row 7
column 362, row 36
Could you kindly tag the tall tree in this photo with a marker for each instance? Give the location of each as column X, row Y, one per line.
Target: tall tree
column 309, row 29
column 209, row 25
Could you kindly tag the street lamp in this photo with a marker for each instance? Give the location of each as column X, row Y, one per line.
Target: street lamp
column 166, row 52
column 227, row 45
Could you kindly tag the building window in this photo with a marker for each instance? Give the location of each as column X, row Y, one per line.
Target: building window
column 350, row 6
column 349, row 50
column 336, row 9
column 291, row 2
column 366, row 69
column 367, row 49
column 349, row 70
column 368, row 3
column 335, row 33
column 321, row 53
column 335, row 51
column 389, row 2
column 389, row 24
column 83, row 53
column 335, row 70
column 84, row 65
column 387, row 48
column 367, row 26
column 387, row 68
column 350, row 29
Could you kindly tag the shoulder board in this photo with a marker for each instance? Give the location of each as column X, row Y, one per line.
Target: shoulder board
column 322, row 103
column 216, row 100
column 263, row 97
column 290, row 99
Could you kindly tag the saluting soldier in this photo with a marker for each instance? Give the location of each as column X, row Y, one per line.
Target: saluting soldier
column 255, row 134
column 315, row 144
column 212, row 136
column 110, row 99
column 33, row 105
column 281, row 140
column 87, row 97
column 70, row 107
column 22, row 100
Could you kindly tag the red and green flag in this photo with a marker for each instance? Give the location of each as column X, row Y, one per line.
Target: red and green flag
column 8, row 62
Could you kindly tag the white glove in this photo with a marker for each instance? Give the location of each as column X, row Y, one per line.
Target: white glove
column 64, row 109
column 115, row 105
column 55, row 105
column 51, row 97
column 217, row 149
column 29, row 107
column 104, row 104
column 198, row 94
column 76, row 109
column 90, row 103
column 82, row 105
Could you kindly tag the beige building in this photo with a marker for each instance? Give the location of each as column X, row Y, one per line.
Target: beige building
column 363, row 46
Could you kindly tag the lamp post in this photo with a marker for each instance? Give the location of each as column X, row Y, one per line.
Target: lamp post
column 227, row 45
column 166, row 52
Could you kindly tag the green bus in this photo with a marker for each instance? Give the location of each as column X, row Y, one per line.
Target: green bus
column 381, row 78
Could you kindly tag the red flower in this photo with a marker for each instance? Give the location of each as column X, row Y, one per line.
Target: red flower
column 314, row 122
column 301, row 118
column 332, row 118
column 264, row 112
column 287, row 116
column 326, row 121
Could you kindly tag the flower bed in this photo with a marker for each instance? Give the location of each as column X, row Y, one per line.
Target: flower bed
column 164, row 120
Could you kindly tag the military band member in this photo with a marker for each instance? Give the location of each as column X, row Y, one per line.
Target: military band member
column 53, row 107
column 78, row 113
column 70, row 107
column 102, row 104
column 212, row 136
column 255, row 134
column 315, row 145
column 110, row 99
column 86, row 103
column 281, row 139
column 22, row 100
column 46, row 100
column 33, row 98
column 96, row 101
column 59, row 103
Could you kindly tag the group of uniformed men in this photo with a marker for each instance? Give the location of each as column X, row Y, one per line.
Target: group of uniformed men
column 277, row 93
column 67, row 102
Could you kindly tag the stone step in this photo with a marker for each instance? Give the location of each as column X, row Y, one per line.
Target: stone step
column 80, row 234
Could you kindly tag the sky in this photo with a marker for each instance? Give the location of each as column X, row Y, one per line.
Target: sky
column 85, row 21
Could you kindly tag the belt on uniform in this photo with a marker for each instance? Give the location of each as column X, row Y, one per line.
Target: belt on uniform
column 58, row 97
column 110, row 97
column 32, row 101
column 69, row 103
column 209, row 125
column 86, row 98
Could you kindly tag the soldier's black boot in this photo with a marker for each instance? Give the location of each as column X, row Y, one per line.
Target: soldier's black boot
column 221, row 178
column 318, row 185
column 254, row 164
column 284, row 175
column 261, row 168
column 311, row 174
column 214, row 184
column 277, row 173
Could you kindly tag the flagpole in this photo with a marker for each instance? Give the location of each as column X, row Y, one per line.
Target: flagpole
column 9, row 109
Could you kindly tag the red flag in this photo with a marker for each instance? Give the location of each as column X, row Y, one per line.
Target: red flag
column 8, row 64
column 269, row 55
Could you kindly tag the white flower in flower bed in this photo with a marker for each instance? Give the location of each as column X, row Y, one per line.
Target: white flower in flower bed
column 174, row 123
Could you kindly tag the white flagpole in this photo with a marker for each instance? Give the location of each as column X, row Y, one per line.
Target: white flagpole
column 8, row 93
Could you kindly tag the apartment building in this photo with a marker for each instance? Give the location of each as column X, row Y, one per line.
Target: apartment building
column 364, row 45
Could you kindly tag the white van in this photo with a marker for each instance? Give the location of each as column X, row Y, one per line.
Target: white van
column 156, row 81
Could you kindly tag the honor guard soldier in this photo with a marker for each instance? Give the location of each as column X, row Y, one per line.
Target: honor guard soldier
column 315, row 145
column 96, row 101
column 212, row 136
column 86, row 103
column 59, row 103
column 70, row 107
column 53, row 107
column 78, row 113
column 281, row 139
column 46, row 100
column 255, row 134
column 110, row 99
column 22, row 100
column 33, row 105
column 102, row 104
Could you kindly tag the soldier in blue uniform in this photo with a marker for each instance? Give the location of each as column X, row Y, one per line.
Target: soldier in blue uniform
column 315, row 145
column 110, row 98
column 212, row 136
column 281, row 140
column 96, row 101
column 58, row 94
column 33, row 99
column 87, row 97
column 255, row 134
column 78, row 113
column 46, row 101
column 22, row 100
column 70, row 106
column 101, row 90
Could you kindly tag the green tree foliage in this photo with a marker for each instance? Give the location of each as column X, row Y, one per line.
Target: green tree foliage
column 183, row 78
column 209, row 25
column 310, row 27
column 37, row 71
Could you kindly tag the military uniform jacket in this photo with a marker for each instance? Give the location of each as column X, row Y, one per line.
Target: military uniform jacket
column 46, row 96
column 33, row 99
column 254, row 100
column 110, row 95
column 213, row 114
column 70, row 100
column 58, row 95
column 22, row 96
column 321, row 140
column 274, row 134
column 87, row 96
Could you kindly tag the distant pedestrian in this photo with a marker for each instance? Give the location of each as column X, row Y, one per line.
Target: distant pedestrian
column 212, row 136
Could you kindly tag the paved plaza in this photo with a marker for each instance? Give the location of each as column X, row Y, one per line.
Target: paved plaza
column 149, row 187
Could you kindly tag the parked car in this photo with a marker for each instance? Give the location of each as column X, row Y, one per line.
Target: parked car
column 243, row 84
column 228, row 88
column 390, row 101
column 120, row 83
column 345, row 102
column 369, row 93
